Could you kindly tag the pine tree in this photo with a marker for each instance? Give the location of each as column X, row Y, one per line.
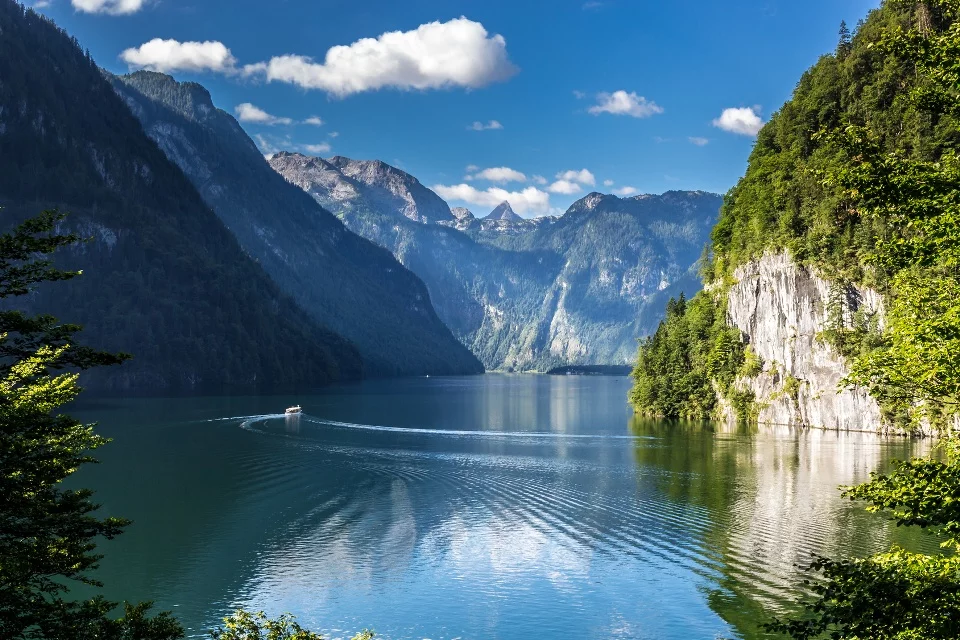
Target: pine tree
column 846, row 41
column 48, row 532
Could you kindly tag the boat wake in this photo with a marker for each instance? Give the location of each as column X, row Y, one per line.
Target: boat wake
column 259, row 423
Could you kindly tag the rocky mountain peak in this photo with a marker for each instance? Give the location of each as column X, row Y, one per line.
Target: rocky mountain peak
column 383, row 188
column 503, row 212
column 462, row 214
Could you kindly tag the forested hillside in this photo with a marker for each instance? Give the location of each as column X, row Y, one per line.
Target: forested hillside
column 342, row 280
column 863, row 109
column 163, row 278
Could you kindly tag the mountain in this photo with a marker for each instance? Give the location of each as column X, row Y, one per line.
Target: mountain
column 342, row 280
column 799, row 286
column 540, row 293
column 462, row 215
column 371, row 186
column 163, row 279
column 503, row 212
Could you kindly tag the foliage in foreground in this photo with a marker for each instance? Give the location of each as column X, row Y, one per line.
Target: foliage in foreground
column 244, row 625
column 896, row 595
column 47, row 532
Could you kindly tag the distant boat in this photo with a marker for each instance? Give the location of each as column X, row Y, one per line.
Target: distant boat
column 293, row 410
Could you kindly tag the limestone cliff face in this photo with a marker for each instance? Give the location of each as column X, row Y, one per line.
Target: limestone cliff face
column 780, row 308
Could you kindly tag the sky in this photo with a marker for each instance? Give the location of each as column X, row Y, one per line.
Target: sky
column 536, row 102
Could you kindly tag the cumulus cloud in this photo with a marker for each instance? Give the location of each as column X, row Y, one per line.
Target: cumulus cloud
column 743, row 121
column 608, row 183
column 333, row 134
column 437, row 55
column 479, row 126
column 170, row 55
column 112, row 7
column 621, row 103
column 700, row 142
column 316, row 149
column 247, row 112
column 625, row 191
column 497, row 174
column 539, row 179
column 582, row 177
column 564, row 187
column 530, row 200
column 579, row 95
column 315, row 121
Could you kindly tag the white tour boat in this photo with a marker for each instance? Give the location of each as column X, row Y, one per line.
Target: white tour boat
column 293, row 410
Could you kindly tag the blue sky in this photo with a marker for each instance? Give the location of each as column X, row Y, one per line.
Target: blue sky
column 548, row 72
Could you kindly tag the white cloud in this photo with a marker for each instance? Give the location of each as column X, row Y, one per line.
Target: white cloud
column 608, row 183
column 625, row 191
column 472, row 167
column 621, row 103
column 700, row 142
column 270, row 146
column 530, row 200
column 564, row 187
column 498, row 174
column 539, row 180
column 583, row 177
column 743, row 121
column 316, row 149
column 171, row 55
column 579, row 95
column 458, row 53
column 112, row 7
column 479, row 126
column 333, row 134
column 247, row 112
column 315, row 121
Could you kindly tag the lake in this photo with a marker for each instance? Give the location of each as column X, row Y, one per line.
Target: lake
column 487, row 507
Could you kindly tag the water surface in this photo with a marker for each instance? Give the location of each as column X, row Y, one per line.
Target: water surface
column 484, row 507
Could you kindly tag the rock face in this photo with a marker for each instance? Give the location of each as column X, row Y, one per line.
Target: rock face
column 503, row 212
column 532, row 294
column 780, row 308
column 386, row 188
column 343, row 281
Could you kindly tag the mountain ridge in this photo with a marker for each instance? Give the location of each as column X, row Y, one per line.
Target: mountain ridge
column 342, row 280
column 533, row 294
column 163, row 278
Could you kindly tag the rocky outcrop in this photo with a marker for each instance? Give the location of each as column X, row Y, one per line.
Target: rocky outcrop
column 781, row 308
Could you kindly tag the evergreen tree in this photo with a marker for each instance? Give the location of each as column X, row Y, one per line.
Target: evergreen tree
column 48, row 532
column 846, row 41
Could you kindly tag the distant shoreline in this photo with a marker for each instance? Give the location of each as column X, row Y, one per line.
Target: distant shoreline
column 592, row 370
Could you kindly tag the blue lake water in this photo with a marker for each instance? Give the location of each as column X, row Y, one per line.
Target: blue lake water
column 488, row 507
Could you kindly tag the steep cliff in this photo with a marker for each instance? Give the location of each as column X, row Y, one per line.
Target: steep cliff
column 781, row 326
column 782, row 309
